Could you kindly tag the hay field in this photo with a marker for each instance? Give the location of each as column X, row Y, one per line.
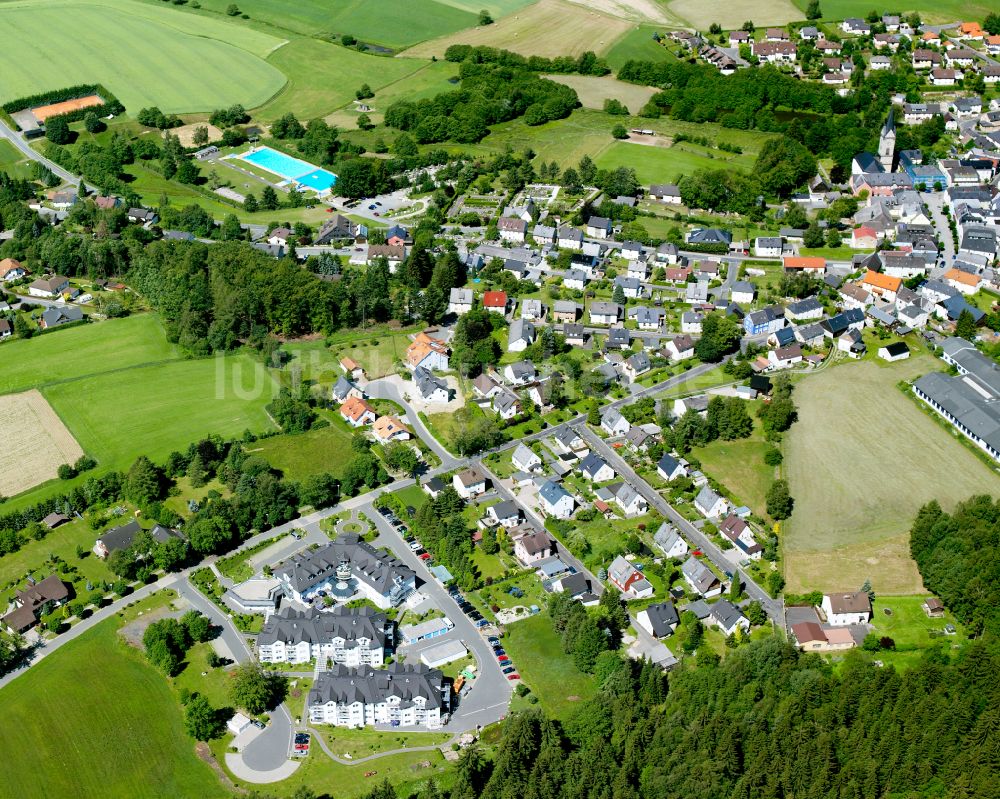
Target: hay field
column 731, row 14
column 548, row 28
column 860, row 461
column 594, row 91
column 149, row 56
column 35, row 442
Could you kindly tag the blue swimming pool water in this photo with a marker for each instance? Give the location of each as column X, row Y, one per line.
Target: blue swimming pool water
column 292, row 168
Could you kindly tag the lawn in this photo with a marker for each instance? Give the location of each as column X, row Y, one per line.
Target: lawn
column 390, row 23
column 152, row 410
column 731, row 14
column 113, row 345
column 911, row 628
column 940, row 11
column 379, row 355
column 95, row 719
column 361, row 743
column 638, row 45
column 547, row 28
column 302, row 454
column 12, row 161
column 323, row 76
column 49, row 45
column 739, row 466
column 667, row 164
column 428, row 81
column 860, row 461
column 536, row 650
column 594, row 91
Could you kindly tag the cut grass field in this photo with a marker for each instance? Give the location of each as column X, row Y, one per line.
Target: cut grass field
column 731, row 14
column 638, row 45
column 428, row 81
column 47, row 41
column 667, row 164
column 910, row 628
column 594, row 91
column 82, row 351
column 860, row 461
column 36, row 442
column 304, row 454
column 156, row 409
column 547, row 28
column 934, row 11
column 12, row 161
column 95, row 719
column 537, row 652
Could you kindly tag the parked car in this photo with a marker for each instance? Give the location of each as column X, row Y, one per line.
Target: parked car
column 508, row 670
column 514, row 676
column 426, row 556
column 258, row 724
column 503, row 659
column 482, row 623
column 415, row 545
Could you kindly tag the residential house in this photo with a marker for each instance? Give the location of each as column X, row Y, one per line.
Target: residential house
column 897, row 351
column 668, row 253
column 728, row 618
column 962, row 281
column 429, row 387
column 670, row 541
column 670, row 468
column 520, row 373
column 845, row 609
column 120, row 538
column 338, row 228
column 575, row 279
column 881, row 285
column 511, row 229
column 525, row 460
column 767, row 247
column 596, row 469
column 532, row 309
column 628, row 579
column 48, row 287
column 679, row 348
column 630, row 286
column 507, row 404
column 11, row 270
column 637, row 364
column 613, row 423
column 460, row 301
column 469, row 483
column 713, row 236
column 709, row 504
column 389, row 428
column 397, row 235
column 700, row 578
column 485, row 386
column 737, row 530
column 507, row 514
column 520, row 335
column 6, row 331
column 394, row 254
column 570, row 238
column 742, row 292
column 605, row 313
column 665, row 192
column 775, row 52
column 619, row 338
column 851, row 319
column 495, row 301
column 785, row 357
column 427, row 353
column 811, row 637
column 856, row 26
column 575, row 335
column 352, row 368
column 765, row 321
column 631, row 502
column 598, row 227
column 555, row 501
column 698, row 404
column 533, row 547
column 37, row 599
column 804, row 310
column 659, row 619
column 809, row 264
column 854, row 296
column 357, row 412
column 691, row 322
column 55, row 317
column 544, row 235
column 944, row 77
column 344, row 388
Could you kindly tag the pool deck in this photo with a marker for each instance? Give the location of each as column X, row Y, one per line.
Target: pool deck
column 308, row 177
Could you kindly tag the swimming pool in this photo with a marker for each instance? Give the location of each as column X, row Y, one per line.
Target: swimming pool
column 291, row 168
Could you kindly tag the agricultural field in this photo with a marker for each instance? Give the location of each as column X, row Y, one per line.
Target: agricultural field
column 667, row 164
column 154, row 410
column 12, row 161
column 638, row 45
column 389, row 23
column 860, row 461
column 731, row 14
column 96, row 720
column 594, row 91
column 106, row 346
column 36, row 442
column 547, row 28
column 935, row 12
column 47, row 41
column 428, row 81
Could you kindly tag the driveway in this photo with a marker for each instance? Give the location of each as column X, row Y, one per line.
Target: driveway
column 393, row 390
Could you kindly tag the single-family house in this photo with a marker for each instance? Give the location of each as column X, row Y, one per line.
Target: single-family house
column 11, row 270
column 691, row 322
column 520, row 373
column 555, row 501
column 596, row 469
column 352, row 368
column 728, row 618
column 570, row 238
column 785, row 357
column 389, row 428
column 962, row 281
column 520, row 335
column 512, row 229
column 700, row 578
column 525, row 460
column 709, row 504
column 575, row 279
column 605, row 313
column 430, row 387
column 613, row 423
column 544, row 234
column 742, row 292
column 765, row 321
column 845, row 609
column 426, row 352
column 637, row 364
column 344, row 388
column 767, row 247
column 533, row 547
column 670, row 541
column 630, row 286
column 460, row 301
column 679, row 348
column 55, row 317
column 809, row 264
column 507, row 514
column 659, row 619
column 34, row 601
column 631, row 502
column 804, row 310
column 897, row 351
column 48, row 287
column 598, row 227
column 670, row 468
column 507, row 404
column 469, row 483
column 737, row 530
column 881, row 285
column 357, row 412
column 628, row 579
column 665, row 192
column 495, row 301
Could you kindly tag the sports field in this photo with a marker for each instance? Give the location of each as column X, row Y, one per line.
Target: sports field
column 35, row 442
column 860, row 461
column 154, row 410
column 594, row 91
column 547, row 28
column 731, row 14
column 94, row 719
column 144, row 58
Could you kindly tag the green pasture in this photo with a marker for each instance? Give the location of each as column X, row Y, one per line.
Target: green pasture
column 638, row 45
column 939, row 11
column 313, row 452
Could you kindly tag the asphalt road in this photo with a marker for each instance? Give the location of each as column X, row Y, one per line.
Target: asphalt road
column 15, row 138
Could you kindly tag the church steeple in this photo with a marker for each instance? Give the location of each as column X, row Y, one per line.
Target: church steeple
column 887, row 142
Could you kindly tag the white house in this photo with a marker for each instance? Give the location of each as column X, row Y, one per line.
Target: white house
column 596, row 469
column 427, row 352
column 555, row 501
column 630, row 501
column 533, row 547
column 742, row 292
column 357, row 413
column 670, row 468
column 460, row 301
column 709, row 504
column 691, row 322
column 767, row 247
column 849, row 608
column 897, row 351
column 520, row 373
column 659, row 620
column 48, row 287
column 680, row 347
column 507, row 514
column 525, row 460
column 507, row 404
column 512, row 229
column 700, row 578
column 605, row 313
column 570, row 238
column 469, row 483
column 598, row 227
column 614, row 423
column 429, row 387
column 725, row 616
column 520, row 335
column 575, row 279
column 670, row 542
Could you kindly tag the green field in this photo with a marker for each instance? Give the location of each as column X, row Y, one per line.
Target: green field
column 312, row 452
column 594, row 91
column 667, row 164
column 49, row 45
column 939, row 11
column 83, row 351
column 12, row 161
column 910, row 628
column 550, row 673
column 153, row 410
column 860, row 461
column 730, row 14
column 638, row 45
column 94, row 720
column 428, row 81
column 391, row 23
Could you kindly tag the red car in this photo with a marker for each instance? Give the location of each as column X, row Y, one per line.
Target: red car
column 503, row 658
column 514, row 676
column 425, row 556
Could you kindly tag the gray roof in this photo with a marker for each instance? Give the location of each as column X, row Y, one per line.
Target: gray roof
column 965, row 404
column 605, row 308
column 552, row 493
column 53, row 317
column 726, row 613
column 743, row 287
column 292, row 626
column 699, row 575
column 668, row 463
column 575, row 274
column 592, row 464
column 377, row 569
column 369, row 686
column 662, row 617
column 639, row 362
column 524, row 455
column 505, row 509
column 342, row 387
column 805, row 306
column 427, row 383
column 523, row 369
column 667, row 537
column 461, row 296
column 521, row 330
column 618, row 336
column 706, row 498
column 505, row 400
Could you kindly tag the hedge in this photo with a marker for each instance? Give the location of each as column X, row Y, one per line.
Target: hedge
column 111, row 103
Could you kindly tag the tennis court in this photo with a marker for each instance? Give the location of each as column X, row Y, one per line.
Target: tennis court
column 293, row 169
